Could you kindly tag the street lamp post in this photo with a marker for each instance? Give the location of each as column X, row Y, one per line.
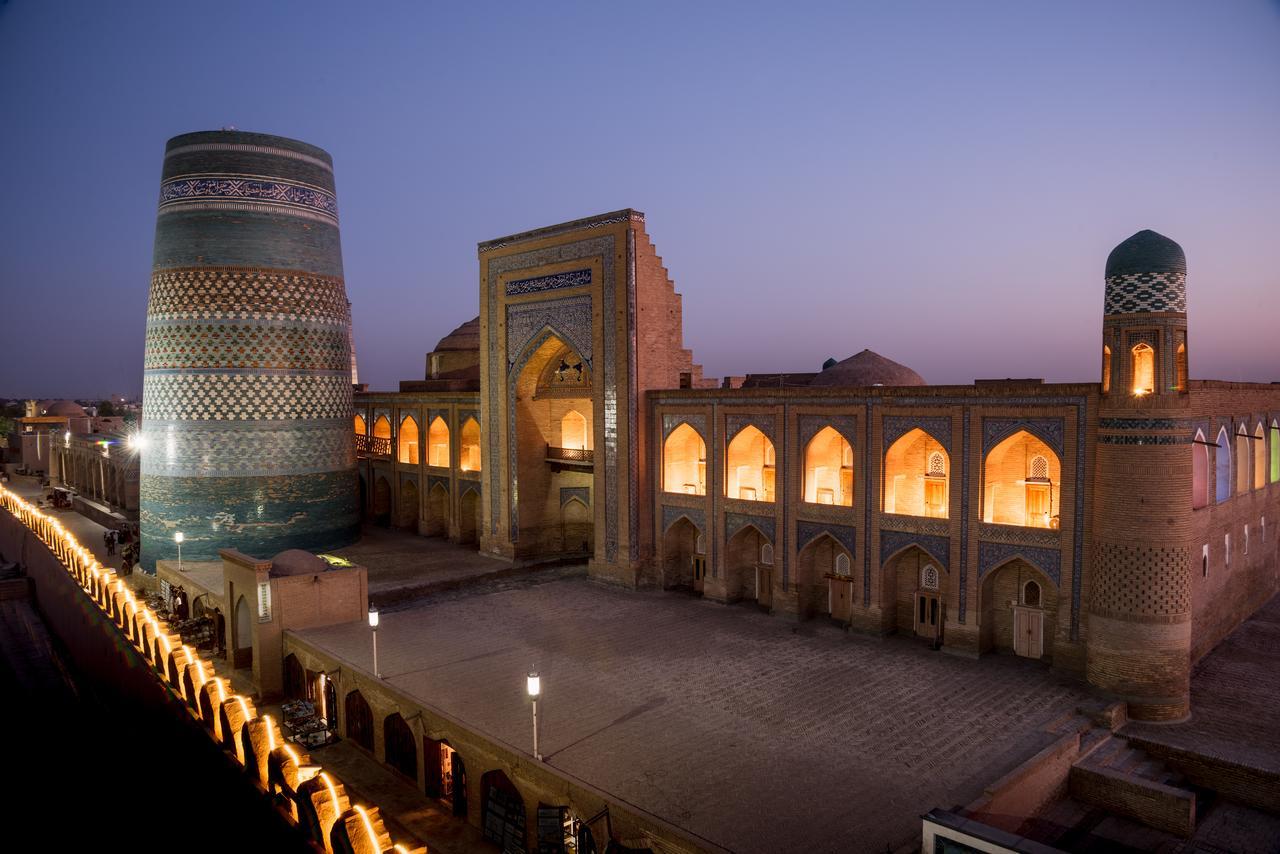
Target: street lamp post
column 178, row 538
column 535, row 688
column 373, row 624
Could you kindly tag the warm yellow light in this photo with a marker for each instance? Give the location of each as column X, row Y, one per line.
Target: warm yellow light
column 292, row 754
column 333, row 792
column 368, row 826
column 271, row 736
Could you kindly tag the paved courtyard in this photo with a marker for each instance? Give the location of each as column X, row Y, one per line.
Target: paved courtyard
column 750, row 731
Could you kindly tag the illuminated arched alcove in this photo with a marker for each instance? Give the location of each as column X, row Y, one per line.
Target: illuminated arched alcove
column 916, row 476
column 1022, row 483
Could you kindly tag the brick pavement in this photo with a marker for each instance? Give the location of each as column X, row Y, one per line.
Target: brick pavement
column 756, row 733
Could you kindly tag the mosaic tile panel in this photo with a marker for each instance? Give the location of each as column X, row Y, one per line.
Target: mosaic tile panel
column 992, row 555
column 735, row 424
column 735, row 522
column 568, row 317
column 246, row 344
column 938, row 548
column 434, row 480
column 229, row 294
column 672, row 420
column 811, row 425
column 245, row 449
column 1048, row 430
column 937, row 426
column 553, row 282
column 264, row 193
column 695, row 515
column 582, row 493
column 1140, row 292
column 233, row 397
column 807, row 532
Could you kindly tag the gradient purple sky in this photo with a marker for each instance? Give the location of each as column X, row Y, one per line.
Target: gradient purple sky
column 940, row 182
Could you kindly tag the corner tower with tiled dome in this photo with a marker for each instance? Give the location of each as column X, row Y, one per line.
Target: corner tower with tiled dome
column 1139, row 641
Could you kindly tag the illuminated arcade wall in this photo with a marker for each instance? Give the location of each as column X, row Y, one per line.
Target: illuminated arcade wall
column 247, row 387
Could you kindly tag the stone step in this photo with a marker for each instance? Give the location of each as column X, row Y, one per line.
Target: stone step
column 1127, row 781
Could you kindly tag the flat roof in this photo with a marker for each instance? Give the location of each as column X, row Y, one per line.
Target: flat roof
column 751, row 731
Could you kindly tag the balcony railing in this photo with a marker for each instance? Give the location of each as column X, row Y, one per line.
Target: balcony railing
column 372, row 446
column 570, row 456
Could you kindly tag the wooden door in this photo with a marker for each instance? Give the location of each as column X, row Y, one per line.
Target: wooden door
column 928, row 616
column 1028, row 632
column 699, row 572
column 764, row 586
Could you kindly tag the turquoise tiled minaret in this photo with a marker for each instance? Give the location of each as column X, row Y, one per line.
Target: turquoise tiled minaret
column 247, row 386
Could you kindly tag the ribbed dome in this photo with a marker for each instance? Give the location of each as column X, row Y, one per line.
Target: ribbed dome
column 64, row 408
column 867, row 368
column 465, row 337
column 1146, row 252
column 297, row 562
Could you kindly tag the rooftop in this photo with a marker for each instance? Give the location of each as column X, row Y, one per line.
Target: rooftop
column 754, row 733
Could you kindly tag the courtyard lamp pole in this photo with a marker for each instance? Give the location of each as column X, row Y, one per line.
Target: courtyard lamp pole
column 534, row 685
column 178, row 538
column 373, row 624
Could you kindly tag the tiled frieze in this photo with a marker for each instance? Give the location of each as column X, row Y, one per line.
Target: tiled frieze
column 938, row 548
column 240, row 192
column 246, row 344
column 247, row 396
column 220, row 293
column 992, row 555
column 1146, row 292
column 245, row 449
column 553, row 282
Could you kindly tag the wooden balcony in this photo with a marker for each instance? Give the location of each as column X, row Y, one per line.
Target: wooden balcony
column 578, row 458
column 372, row 446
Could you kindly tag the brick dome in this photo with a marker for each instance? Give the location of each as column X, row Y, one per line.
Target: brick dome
column 297, row 562
column 63, row 408
column 1146, row 252
column 867, row 368
column 465, row 337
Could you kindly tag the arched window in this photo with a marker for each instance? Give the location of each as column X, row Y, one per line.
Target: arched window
column 1242, row 460
column 1222, row 467
column 700, row 545
column 1144, row 369
column 1106, row 369
column 1180, row 367
column 470, row 447
column 1031, row 594
column 749, row 466
column 1275, row 452
column 359, row 720
column 929, row 577
column 684, row 462
column 573, row 431
column 828, row 469
column 407, row 444
column 361, row 427
column 766, row 554
column 1199, row 471
column 438, row 443
column 1259, row 457
column 842, row 564
column 1022, row 483
column 915, row 476
column 381, row 428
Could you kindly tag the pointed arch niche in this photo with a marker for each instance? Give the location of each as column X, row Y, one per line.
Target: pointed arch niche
column 750, row 466
column 684, row 462
column 407, row 443
column 916, row 475
column 1022, row 483
column 828, row 469
column 438, row 443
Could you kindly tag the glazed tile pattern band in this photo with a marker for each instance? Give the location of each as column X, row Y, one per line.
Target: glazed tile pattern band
column 246, row 294
column 238, row 450
column 234, row 397
column 246, row 345
column 247, row 148
column 273, row 193
column 1141, row 292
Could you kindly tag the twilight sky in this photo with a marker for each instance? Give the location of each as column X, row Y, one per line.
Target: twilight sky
column 940, row 182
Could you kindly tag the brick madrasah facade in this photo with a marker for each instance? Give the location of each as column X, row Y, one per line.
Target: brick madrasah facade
column 1118, row 530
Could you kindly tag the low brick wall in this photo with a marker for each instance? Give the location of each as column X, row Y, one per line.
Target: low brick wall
column 1236, row 781
column 1020, row 794
column 1154, row 804
column 537, row 782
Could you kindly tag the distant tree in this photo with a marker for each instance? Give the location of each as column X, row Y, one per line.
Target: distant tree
column 106, row 409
